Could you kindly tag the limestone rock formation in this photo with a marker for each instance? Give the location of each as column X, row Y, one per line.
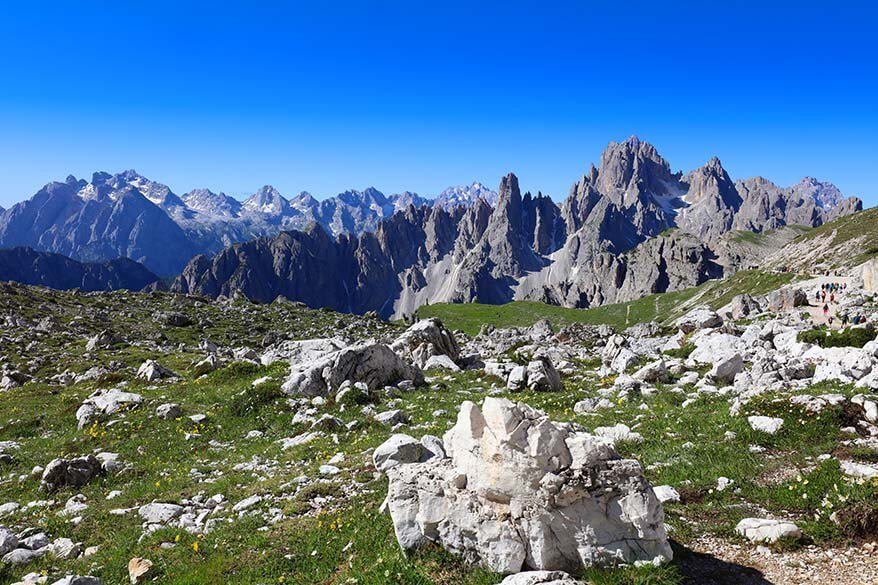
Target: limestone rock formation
column 518, row 491
column 375, row 365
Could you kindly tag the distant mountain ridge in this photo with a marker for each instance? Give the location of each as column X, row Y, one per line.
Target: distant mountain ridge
column 628, row 227
column 131, row 216
column 27, row 266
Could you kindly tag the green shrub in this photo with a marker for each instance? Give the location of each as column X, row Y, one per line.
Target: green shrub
column 852, row 337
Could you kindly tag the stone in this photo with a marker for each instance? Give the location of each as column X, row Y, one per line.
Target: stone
column 392, row 418
column 103, row 403
column 102, row 340
column 207, row 365
column 542, row 375
column 375, row 365
column 765, row 424
column 396, row 450
column 652, row 372
column 76, row 472
column 786, row 299
column 516, row 490
column 702, row 317
column 517, row 380
column 540, row 578
column 727, row 368
column 139, row 570
column 21, row 556
column 441, row 362
column 870, row 275
column 666, row 493
column 426, row 339
column 159, row 513
column 151, row 371
column 8, row 540
column 765, row 531
column 742, row 306
column 65, row 549
column 619, row 433
column 247, row 503
column 36, row 541
column 169, row 411
column 78, row 580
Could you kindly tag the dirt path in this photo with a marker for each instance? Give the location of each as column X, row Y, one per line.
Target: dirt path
column 815, row 308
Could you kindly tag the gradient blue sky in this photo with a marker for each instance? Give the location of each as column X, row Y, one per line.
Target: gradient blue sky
column 325, row 96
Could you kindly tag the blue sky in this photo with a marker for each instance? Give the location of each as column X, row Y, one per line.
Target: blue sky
column 421, row 95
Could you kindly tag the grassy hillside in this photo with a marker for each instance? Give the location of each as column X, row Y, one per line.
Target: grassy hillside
column 664, row 307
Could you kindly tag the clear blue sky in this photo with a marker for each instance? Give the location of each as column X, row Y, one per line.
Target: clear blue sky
column 421, row 95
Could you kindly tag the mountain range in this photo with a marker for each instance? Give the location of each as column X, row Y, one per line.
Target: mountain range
column 128, row 215
column 628, row 227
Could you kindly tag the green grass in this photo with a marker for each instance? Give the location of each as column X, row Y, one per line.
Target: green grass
column 332, row 532
column 663, row 307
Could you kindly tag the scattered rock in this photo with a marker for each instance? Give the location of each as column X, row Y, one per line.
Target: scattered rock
column 766, row 531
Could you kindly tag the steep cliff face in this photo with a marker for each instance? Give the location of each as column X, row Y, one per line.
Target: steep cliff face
column 28, row 266
column 712, row 202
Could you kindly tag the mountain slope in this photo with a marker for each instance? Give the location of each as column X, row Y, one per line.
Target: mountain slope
column 843, row 243
column 28, row 266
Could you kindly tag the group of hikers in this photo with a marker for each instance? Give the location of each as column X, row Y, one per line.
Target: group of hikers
column 827, row 295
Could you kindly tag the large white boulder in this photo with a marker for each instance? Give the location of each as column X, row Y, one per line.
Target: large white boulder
column 104, row 403
column 376, row 365
column 517, row 490
column 425, row 339
column 302, row 350
column 713, row 348
column 702, row 317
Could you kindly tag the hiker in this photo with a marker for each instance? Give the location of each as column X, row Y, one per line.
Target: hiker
column 825, row 310
column 844, row 319
column 832, row 297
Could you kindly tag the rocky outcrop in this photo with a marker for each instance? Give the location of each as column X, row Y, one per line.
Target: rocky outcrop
column 375, row 365
column 426, row 339
column 515, row 490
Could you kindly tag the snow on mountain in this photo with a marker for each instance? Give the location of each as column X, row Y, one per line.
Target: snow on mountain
column 216, row 206
column 465, row 195
column 267, row 201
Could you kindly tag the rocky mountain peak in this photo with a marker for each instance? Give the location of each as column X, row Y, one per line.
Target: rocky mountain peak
column 632, row 172
column 509, row 189
column 825, row 194
column 216, row 205
column 267, row 200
